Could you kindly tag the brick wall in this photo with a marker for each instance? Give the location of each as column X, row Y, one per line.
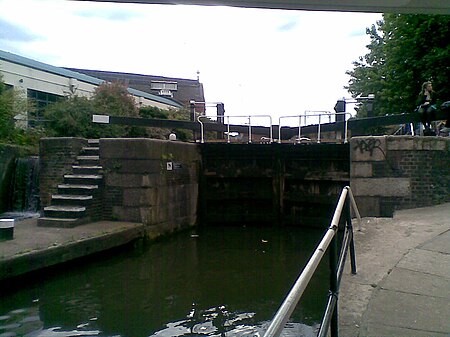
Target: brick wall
column 150, row 181
column 57, row 155
column 399, row 172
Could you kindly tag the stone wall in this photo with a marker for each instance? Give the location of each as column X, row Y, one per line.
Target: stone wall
column 151, row 181
column 399, row 172
column 8, row 154
column 57, row 155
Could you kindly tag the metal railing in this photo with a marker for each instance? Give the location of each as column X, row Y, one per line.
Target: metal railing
column 249, row 117
column 346, row 201
column 319, row 115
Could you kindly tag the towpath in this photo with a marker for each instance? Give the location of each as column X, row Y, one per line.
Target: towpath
column 402, row 285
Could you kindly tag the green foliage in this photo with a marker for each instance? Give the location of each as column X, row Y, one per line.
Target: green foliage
column 405, row 50
column 113, row 99
column 6, row 112
column 73, row 117
column 153, row 112
column 12, row 103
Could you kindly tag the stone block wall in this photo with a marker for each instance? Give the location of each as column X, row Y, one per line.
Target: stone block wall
column 151, row 181
column 57, row 155
column 8, row 154
column 399, row 172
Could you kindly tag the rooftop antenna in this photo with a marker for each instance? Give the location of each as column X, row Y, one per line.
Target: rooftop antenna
column 198, row 75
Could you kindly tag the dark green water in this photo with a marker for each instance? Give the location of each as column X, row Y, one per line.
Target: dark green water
column 207, row 282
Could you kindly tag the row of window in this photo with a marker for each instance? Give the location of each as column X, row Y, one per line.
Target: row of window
column 40, row 100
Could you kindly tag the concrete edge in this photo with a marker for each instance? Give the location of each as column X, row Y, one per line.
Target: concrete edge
column 35, row 260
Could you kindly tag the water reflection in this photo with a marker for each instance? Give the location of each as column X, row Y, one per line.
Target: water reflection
column 211, row 282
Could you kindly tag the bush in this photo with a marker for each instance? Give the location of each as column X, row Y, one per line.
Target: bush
column 73, row 116
column 12, row 103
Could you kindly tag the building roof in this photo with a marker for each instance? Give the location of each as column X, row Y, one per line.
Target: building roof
column 187, row 89
column 10, row 57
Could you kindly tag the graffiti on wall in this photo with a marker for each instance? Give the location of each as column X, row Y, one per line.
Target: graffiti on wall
column 368, row 145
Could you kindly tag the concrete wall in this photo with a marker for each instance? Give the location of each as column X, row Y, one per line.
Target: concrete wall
column 151, row 181
column 399, row 172
column 57, row 155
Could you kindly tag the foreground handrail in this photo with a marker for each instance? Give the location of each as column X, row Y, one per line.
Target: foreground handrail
column 285, row 311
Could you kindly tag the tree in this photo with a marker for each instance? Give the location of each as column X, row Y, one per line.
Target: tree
column 12, row 103
column 405, row 50
column 73, row 117
column 6, row 112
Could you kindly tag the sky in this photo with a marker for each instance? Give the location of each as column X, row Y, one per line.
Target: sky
column 255, row 61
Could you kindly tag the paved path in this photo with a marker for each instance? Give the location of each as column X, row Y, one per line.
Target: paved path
column 402, row 287
column 36, row 247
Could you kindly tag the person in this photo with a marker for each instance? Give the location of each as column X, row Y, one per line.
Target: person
column 426, row 106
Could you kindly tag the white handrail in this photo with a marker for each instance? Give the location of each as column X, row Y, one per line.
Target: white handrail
column 355, row 207
column 250, row 126
column 285, row 311
column 280, row 126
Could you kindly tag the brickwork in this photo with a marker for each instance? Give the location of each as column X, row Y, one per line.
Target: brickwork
column 150, row 181
column 57, row 155
column 399, row 172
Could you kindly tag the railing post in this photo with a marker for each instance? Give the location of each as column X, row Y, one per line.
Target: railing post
column 193, row 117
column 348, row 216
column 249, row 129
column 334, row 287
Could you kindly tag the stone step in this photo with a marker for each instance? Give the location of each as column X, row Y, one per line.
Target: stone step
column 82, row 179
column 65, row 212
column 88, row 160
column 93, row 141
column 90, row 151
column 86, row 169
column 75, row 189
column 71, row 200
column 61, row 222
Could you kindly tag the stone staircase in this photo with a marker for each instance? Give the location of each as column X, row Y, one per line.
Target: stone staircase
column 75, row 202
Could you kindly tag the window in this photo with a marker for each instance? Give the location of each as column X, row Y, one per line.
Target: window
column 41, row 100
column 162, row 85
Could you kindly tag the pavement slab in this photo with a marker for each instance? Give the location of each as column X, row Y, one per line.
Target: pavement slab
column 383, row 330
column 410, row 311
column 402, row 285
column 426, row 261
column 414, row 282
column 439, row 243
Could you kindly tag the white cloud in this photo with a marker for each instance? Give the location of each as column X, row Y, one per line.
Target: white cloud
column 254, row 60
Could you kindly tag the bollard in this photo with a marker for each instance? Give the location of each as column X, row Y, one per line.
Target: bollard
column 6, row 229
